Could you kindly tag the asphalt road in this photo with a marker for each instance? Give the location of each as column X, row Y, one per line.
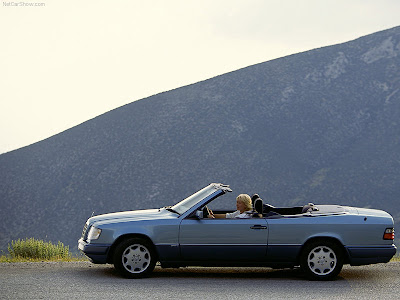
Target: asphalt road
column 84, row 280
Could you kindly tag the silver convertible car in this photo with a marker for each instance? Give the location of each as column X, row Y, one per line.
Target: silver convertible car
column 318, row 238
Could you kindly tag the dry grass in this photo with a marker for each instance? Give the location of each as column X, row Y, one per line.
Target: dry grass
column 32, row 250
column 396, row 257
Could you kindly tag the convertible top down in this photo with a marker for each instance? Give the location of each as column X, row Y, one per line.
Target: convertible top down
column 318, row 238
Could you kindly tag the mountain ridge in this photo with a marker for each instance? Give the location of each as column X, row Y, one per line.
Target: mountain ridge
column 318, row 126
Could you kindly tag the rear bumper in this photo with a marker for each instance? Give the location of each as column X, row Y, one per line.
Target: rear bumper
column 370, row 255
column 96, row 252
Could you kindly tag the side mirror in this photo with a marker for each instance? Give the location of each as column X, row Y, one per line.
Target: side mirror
column 199, row 214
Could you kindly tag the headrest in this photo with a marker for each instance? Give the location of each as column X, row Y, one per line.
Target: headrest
column 308, row 208
column 258, row 205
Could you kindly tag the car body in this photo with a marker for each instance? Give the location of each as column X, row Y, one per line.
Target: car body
column 318, row 238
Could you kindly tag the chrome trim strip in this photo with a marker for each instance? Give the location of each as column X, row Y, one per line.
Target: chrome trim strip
column 281, row 245
column 278, row 245
column 224, row 244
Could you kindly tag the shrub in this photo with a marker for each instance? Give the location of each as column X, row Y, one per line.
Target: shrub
column 33, row 249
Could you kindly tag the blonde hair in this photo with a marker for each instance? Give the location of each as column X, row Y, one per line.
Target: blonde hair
column 246, row 200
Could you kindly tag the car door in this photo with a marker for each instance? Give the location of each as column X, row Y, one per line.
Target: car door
column 229, row 240
column 287, row 235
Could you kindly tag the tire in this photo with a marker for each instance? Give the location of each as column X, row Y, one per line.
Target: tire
column 134, row 258
column 321, row 260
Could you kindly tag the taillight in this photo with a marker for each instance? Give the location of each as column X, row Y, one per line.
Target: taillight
column 389, row 234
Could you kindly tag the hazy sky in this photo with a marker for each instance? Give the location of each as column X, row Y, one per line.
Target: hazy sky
column 64, row 62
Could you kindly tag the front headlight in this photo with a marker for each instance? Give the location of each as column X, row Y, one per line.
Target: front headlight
column 94, row 233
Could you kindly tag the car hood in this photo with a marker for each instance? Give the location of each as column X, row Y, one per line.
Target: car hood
column 134, row 215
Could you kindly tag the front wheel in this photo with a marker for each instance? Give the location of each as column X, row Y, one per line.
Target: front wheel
column 134, row 258
column 321, row 260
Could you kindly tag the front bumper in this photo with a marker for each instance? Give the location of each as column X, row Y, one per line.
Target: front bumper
column 98, row 253
column 370, row 255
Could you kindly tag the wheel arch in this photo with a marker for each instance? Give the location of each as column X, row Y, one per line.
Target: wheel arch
column 330, row 238
column 124, row 237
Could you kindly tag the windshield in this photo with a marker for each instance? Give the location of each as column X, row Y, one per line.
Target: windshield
column 187, row 203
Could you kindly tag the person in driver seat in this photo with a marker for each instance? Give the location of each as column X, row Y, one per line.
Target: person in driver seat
column 244, row 209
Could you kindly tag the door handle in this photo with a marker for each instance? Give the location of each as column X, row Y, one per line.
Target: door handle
column 258, row 227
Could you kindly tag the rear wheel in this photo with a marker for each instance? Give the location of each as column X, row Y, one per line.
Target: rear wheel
column 134, row 258
column 321, row 260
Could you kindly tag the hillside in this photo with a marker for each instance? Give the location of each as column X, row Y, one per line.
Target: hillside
column 321, row 126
